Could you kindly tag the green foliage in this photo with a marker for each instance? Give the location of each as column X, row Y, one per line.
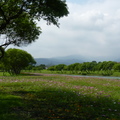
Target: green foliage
column 60, row 67
column 39, row 67
column 18, row 19
column 42, row 66
column 105, row 68
column 2, row 51
column 51, row 68
column 116, row 67
column 15, row 60
column 29, row 67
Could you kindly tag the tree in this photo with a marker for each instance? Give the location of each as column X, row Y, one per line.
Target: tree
column 110, row 65
column 42, row 66
column 70, row 68
column 106, row 67
column 39, row 67
column 15, row 60
column 116, row 67
column 83, row 67
column 51, row 68
column 75, row 67
column 18, row 19
column 60, row 67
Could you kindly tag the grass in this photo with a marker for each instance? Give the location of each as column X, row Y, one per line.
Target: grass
column 55, row 97
column 95, row 73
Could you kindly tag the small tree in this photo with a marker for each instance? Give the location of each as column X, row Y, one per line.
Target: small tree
column 39, row 67
column 15, row 60
column 116, row 67
column 51, row 68
column 59, row 67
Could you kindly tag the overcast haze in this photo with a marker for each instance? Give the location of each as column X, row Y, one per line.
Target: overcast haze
column 91, row 29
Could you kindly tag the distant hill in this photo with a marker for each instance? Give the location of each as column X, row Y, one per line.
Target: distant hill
column 60, row 60
column 72, row 59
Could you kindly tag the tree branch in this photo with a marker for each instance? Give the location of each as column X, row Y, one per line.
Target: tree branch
column 2, row 52
column 9, row 19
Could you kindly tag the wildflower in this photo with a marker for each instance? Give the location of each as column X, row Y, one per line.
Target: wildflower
column 110, row 109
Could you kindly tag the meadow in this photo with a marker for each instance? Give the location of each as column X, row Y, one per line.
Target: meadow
column 56, row 97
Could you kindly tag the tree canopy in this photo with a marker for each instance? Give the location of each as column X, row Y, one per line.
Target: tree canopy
column 88, row 68
column 18, row 19
column 15, row 60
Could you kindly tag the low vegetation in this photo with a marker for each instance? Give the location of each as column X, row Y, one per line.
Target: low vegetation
column 55, row 97
column 105, row 68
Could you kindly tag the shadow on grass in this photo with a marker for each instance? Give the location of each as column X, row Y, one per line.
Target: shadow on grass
column 51, row 104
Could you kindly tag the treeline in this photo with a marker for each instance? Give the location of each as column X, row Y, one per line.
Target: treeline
column 102, row 68
column 36, row 67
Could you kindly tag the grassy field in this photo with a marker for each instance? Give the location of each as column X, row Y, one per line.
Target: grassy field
column 95, row 73
column 55, row 97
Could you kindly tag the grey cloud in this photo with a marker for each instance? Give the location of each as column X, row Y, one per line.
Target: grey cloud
column 91, row 29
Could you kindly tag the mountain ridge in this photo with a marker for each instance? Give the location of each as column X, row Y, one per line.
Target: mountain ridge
column 67, row 60
column 60, row 60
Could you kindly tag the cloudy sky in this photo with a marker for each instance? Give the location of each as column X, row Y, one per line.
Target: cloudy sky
column 91, row 29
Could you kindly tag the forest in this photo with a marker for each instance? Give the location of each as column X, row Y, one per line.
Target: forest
column 105, row 68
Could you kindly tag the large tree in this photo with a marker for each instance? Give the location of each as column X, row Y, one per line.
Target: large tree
column 15, row 60
column 18, row 19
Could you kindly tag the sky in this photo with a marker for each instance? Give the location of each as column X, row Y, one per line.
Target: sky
column 91, row 29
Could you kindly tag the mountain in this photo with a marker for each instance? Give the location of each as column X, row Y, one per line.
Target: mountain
column 60, row 60
column 72, row 59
